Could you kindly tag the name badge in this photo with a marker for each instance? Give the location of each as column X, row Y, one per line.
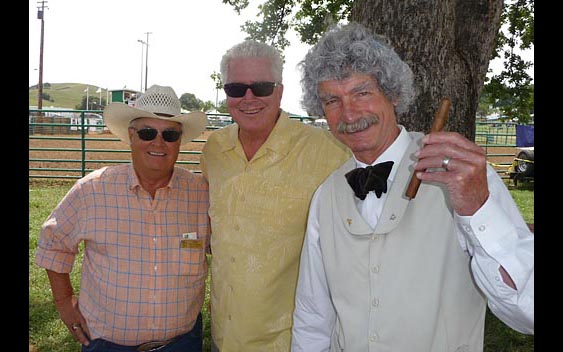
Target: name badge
column 187, row 243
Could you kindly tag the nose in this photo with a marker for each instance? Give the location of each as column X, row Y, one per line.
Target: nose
column 159, row 139
column 349, row 111
column 248, row 93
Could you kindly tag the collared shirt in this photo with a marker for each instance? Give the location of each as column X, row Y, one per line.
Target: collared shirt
column 495, row 235
column 393, row 153
column 258, row 212
column 144, row 267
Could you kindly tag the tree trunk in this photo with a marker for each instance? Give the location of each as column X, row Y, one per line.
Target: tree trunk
column 448, row 45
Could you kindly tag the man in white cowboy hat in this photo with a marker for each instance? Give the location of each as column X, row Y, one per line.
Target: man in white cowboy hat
column 145, row 232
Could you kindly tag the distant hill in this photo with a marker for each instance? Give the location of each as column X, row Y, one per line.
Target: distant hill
column 64, row 95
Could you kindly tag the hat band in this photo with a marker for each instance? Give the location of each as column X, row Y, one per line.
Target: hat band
column 162, row 114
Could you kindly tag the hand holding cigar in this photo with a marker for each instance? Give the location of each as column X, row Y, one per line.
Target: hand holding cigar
column 437, row 125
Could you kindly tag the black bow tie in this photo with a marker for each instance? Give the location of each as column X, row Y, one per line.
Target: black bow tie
column 371, row 178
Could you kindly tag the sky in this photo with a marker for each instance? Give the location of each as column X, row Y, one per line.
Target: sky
column 96, row 43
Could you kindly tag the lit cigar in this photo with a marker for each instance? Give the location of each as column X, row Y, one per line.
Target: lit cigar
column 437, row 125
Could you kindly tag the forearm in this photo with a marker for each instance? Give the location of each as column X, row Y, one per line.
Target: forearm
column 60, row 286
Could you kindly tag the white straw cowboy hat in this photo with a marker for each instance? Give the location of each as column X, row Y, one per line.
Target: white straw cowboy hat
column 156, row 100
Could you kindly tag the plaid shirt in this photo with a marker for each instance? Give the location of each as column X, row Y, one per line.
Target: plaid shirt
column 144, row 268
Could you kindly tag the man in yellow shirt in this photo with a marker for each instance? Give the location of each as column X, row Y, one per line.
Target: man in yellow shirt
column 262, row 172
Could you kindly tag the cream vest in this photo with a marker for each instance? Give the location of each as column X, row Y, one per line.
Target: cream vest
column 407, row 286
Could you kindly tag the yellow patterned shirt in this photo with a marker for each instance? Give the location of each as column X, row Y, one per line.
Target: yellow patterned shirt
column 258, row 211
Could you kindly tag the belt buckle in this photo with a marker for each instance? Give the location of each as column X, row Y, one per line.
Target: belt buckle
column 152, row 346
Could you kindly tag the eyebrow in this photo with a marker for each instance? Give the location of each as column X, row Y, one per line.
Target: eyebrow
column 368, row 84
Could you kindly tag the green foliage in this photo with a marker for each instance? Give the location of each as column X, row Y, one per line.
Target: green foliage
column 222, row 107
column 47, row 97
column 217, row 79
column 511, row 91
column 190, row 102
column 315, row 16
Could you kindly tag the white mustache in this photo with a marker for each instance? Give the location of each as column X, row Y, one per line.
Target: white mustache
column 358, row 125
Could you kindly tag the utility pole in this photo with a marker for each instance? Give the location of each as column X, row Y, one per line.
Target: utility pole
column 142, row 55
column 147, row 60
column 40, row 15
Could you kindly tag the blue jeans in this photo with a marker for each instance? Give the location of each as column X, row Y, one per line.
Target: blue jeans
column 192, row 341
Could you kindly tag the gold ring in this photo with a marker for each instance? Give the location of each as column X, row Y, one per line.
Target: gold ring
column 445, row 162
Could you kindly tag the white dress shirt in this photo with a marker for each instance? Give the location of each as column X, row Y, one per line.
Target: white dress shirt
column 496, row 235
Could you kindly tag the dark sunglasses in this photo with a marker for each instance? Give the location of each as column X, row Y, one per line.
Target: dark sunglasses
column 149, row 133
column 259, row 89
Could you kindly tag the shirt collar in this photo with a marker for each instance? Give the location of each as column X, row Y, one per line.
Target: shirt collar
column 277, row 141
column 134, row 183
column 393, row 153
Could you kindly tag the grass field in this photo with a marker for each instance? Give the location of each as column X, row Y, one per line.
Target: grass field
column 47, row 333
column 65, row 95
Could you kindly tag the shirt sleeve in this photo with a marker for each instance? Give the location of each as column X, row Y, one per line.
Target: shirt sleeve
column 497, row 235
column 314, row 315
column 58, row 241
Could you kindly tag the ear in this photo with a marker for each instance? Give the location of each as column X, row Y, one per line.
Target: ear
column 130, row 132
column 281, row 89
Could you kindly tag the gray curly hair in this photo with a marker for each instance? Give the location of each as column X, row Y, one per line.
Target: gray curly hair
column 252, row 48
column 352, row 48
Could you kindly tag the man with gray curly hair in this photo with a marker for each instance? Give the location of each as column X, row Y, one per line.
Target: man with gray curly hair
column 381, row 271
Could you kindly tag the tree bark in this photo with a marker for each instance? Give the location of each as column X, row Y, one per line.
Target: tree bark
column 448, row 45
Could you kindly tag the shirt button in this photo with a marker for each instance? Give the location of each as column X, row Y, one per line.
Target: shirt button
column 375, row 302
column 232, row 259
column 229, row 317
column 375, row 269
column 482, row 228
column 372, row 338
column 374, row 237
column 467, row 228
column 155, row 268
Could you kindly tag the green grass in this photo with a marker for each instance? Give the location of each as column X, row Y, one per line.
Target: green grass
column 48, row 333
column 64, row 95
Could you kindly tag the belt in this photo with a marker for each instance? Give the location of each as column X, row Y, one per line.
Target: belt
column 154, row 345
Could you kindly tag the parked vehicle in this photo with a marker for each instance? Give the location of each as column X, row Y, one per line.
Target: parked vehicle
column 522, row 167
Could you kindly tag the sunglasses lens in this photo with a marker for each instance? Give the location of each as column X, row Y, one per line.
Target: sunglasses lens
column 171, row 135
column 262, row 89
column 259, row 89
column 235, row 90
column 147, row 134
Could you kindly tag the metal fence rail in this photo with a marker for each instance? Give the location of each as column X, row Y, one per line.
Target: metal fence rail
column 68, row 144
